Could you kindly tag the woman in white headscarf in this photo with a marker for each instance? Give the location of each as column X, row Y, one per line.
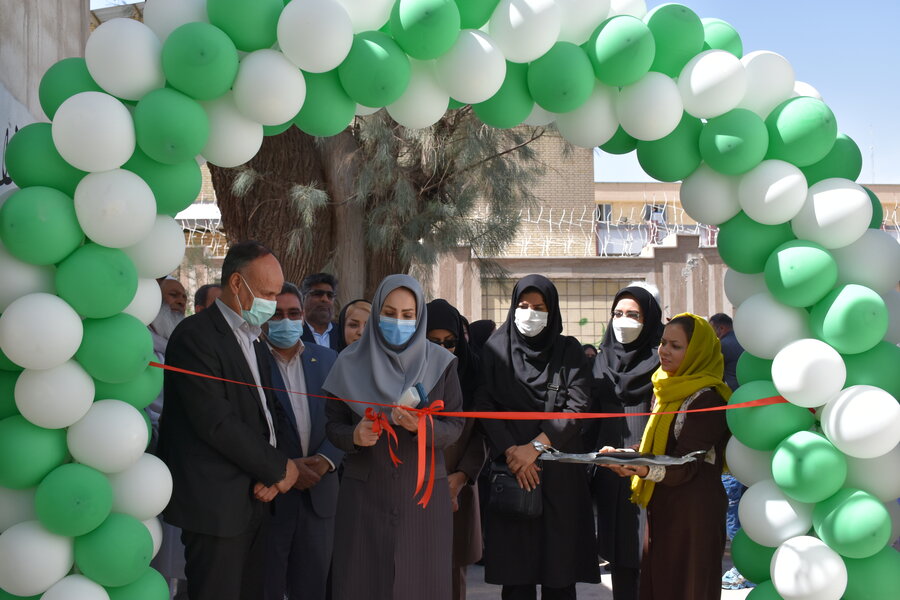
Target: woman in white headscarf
column 386, row 546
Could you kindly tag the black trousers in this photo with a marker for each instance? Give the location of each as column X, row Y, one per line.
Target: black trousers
column 529, row 592
column 226, row 568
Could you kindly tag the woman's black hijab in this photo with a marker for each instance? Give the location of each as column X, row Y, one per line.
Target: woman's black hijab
column 342, row 322
column 443, row 315
column 628, row 367
column 479, row 332
column 522, row 364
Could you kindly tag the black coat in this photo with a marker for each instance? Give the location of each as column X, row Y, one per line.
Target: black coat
column 333, row 343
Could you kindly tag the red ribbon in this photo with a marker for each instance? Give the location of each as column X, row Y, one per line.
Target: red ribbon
column 381, row 424
column 426, row 417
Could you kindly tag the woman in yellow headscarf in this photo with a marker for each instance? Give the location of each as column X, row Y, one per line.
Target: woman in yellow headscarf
column 686, row 504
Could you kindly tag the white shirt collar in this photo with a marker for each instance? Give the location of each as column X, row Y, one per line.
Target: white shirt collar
column 237, row 322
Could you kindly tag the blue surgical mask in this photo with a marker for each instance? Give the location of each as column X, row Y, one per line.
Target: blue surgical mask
column 261, row 310
column 396, row 331
column 284, row 333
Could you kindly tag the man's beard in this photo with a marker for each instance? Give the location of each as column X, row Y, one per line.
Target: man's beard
column 166, row 321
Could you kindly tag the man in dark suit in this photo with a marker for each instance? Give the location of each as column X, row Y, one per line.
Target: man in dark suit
column 221, row 440
column 301, row 533
column 731, row 347
column 318, row 291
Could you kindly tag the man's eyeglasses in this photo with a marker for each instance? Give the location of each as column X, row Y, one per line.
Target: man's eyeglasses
column 451, row 343
column 321, row 293
column 631, row 314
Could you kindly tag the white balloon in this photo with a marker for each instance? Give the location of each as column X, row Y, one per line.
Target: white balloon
column 20, row 278
column 233, row 138
column 873, row 261
column 54, row 398
column 268, row 88
column 801, row 88
column 93, row 132
column 863, row 422
column 368, row 15
column 769, row 517
column 635, row 8
column 892, row 302
column 594, row 122
column 143, row 489
column 76, row 587
column 579, row 19
column 165, row 16
column 783, row 325
column 315, row 35
column 16, row 506
column 32, row 559
column 115, row 208
column 740, row 286
column 805, row 568
column 424, row 102
column 748, row 466
column 124, row 57
column 808, row 373
column 365, row 111
column 875, row 475
column 651, row 108
column 161, row 251
column 770, row 81
column 154, row 526
column 836, row 213
column 710, row 197
column 473, row 69
column 111, row 437
column 145, row 305
column 712, row 83
column 773, row 192
column 525, row 29
column 40, row 331
column 539, row 117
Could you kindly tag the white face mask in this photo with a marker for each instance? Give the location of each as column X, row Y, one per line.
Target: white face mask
column 626, row 330
column 530, row 322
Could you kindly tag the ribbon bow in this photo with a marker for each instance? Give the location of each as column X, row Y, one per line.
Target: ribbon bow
column 381, row 424
column 426, row 416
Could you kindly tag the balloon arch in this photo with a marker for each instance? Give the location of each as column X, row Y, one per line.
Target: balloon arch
column 759, row 154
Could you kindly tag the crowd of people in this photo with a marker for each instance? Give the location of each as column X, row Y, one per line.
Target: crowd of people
column 298, row 482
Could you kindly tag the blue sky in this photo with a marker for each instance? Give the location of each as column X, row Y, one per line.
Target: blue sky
column 849, row 51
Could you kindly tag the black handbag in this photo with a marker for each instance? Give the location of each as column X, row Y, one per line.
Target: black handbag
column 506, row 496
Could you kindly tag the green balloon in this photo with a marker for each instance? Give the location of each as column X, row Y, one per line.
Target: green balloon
column 720, row 35
column 200, row 60
column 376, row 71
column 250, row 25
column 149, row 586
column 876, row 366
column 32, row 160
column 852, row 319
column 619, row 143
column 675, row 156
column 621, row 50
column 750, row 558
column 96, row 281
column 175, row 187
column 802, row 131
column 63, row 80
column 138, row 392
column 8, row 394
column 764, row 590
column 38, row 225
column 874, row 578
column 512, row 103
column 73, row 500
column 735, row 142
column 844, row 160
column 764, row 427
column 8, row 365
column 28, row 452
column 425, row 29
column 745, row 245
column 853, row 523
column 877, row 210
column 327, row 109
column 800, row 273
column 753, row 368
column 270, row 130
column 473, row 14
column 679, row 37
column 116, row 553
column 116, row 349
column 170, row 127
column 4, row 595
column 807, row 467
column 562, row 79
